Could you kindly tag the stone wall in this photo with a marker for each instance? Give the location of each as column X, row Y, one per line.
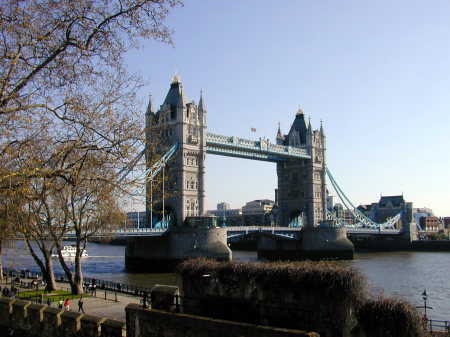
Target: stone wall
column 155, row 323
column 24, row 319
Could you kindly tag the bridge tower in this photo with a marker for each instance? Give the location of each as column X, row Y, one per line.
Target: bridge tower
column 301, row 183
column 178, row 120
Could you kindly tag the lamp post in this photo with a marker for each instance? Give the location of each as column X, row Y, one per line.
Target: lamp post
column 425, row 297
column 424, row 306
column 37, row 290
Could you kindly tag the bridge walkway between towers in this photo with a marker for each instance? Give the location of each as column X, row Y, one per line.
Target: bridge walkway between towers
column 249, row 149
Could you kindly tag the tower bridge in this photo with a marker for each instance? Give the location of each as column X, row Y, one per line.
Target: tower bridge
column 300, row 158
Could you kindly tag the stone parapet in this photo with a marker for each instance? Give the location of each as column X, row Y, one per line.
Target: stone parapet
column 51, row 322
column 90, row 326
column 6, row 310
column 113, row 328
column 35, row 317
column 156, row 323
column 22, row 318
column 70, row 323
column 19, row 314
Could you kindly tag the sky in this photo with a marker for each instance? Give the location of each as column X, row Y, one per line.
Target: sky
column 377, row 73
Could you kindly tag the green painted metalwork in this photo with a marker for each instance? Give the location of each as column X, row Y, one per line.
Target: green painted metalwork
column 250, row 149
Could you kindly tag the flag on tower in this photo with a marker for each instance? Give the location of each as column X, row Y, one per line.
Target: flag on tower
column 253, row 129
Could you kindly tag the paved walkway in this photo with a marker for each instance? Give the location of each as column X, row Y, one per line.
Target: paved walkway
column 104, row 304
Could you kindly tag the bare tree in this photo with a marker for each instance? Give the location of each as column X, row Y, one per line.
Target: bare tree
column 48, row 46
column 68, row 116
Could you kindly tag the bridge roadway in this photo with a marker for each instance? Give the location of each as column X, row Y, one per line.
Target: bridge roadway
column 231, row 231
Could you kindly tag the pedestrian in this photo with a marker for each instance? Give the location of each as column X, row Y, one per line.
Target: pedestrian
column 67, row 305
column 80, row 305
column 60, row 303
column 41, row 299
column 49, row 301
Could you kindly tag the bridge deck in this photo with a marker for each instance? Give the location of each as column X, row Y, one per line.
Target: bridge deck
column 133, row 232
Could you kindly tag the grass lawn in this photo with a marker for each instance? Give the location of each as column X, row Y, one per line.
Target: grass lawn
column 54, row 295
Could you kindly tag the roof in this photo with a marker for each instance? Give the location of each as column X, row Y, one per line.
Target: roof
column 175, row 93
column 299, row 125
column 396, row 200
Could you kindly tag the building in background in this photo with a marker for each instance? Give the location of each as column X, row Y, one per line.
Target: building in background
column 223, row 207
column 431, row 223
column 258, row 213
column 427, row 221
column 136, row 220
column 227, row 216
column 254, row 213
column 331, row 201
column 446, row 222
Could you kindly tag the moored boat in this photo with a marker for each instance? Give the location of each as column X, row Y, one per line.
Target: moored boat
column 70, row 252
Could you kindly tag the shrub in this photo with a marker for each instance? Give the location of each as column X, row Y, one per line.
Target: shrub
column 390, row 317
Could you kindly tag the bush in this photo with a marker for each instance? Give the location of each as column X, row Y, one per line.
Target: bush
column 330, row 278
column 389, row 317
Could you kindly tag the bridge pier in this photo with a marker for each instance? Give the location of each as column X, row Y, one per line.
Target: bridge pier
column 163, row 253
column 316, row 243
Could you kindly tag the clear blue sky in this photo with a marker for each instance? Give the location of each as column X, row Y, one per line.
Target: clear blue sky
column 376, row 72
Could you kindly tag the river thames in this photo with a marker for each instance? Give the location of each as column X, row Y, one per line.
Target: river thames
column 400, row 274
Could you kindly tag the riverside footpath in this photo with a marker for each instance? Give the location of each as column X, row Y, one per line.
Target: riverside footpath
column 102, row 303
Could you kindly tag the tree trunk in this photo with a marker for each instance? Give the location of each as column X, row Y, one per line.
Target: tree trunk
column 45, row 266
column 74, row 274
column 1, row 261
column 49, row 276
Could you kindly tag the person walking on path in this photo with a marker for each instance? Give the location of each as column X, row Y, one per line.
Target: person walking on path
column 80, row 305
column 60, row 303
column 67, row 305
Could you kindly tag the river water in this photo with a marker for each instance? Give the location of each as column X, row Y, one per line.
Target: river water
column 400, row 274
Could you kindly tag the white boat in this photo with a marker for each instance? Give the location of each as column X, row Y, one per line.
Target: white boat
column 69, row 252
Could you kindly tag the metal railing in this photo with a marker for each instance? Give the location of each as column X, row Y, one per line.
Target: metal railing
column 89, row 283
column 438, row 325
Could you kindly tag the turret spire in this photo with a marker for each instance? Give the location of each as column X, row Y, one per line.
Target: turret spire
column 175, row 97
column 201, row 103
column 280, row 136
column 176, row 77
column 322, row 132
column 150, row 105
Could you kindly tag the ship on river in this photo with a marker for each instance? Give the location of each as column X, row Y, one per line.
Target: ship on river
column 70, row 252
